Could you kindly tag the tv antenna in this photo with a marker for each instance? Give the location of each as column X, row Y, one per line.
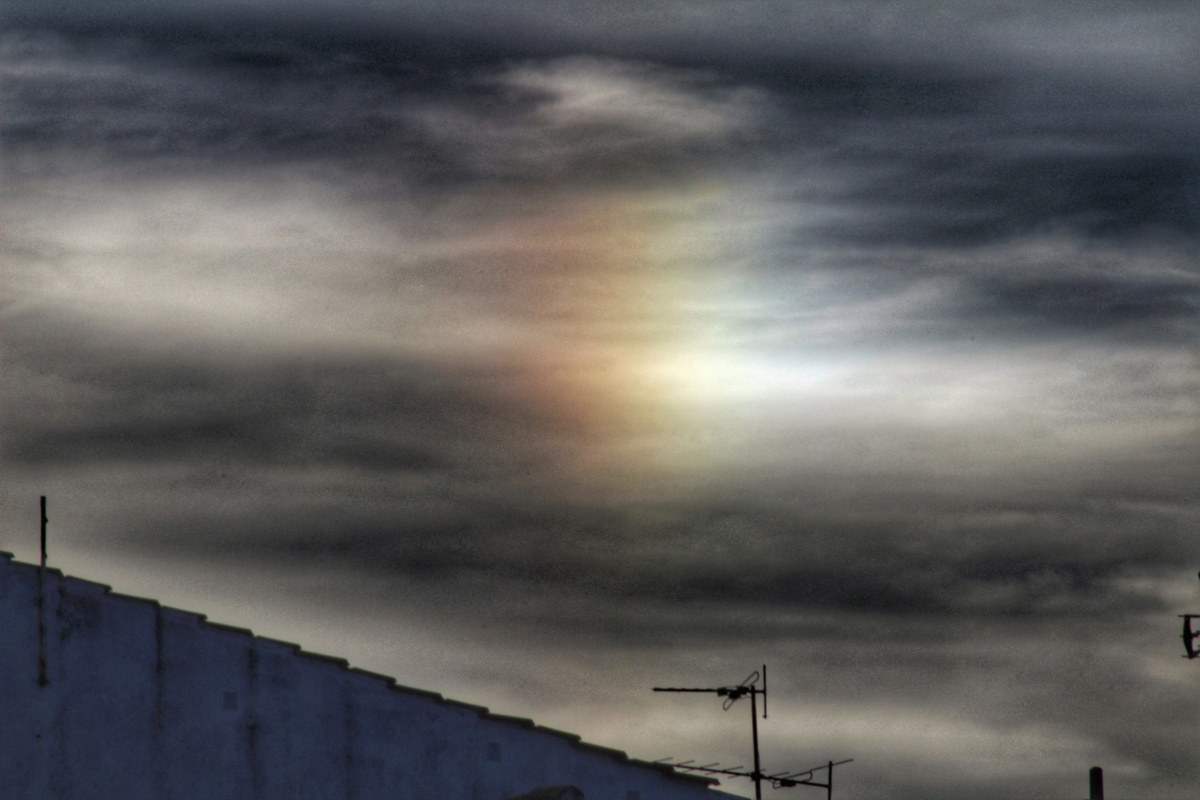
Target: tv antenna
column 1189, row 636
column 786, row 778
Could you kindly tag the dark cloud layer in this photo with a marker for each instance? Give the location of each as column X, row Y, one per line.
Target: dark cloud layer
column 916, row 153
column 370, row 423
column 580, row 346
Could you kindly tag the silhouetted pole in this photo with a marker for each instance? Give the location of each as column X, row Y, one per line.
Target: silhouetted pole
column 44, row 521
column 1095, row 784
column 758, row 776
column 42, row 677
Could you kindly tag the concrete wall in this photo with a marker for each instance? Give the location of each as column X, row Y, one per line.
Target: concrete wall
column 143, row 702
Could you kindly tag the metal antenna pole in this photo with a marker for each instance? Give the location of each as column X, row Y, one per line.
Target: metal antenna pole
column 44, row 521
column 758, row 776
column 764, row 691
column 42, row 678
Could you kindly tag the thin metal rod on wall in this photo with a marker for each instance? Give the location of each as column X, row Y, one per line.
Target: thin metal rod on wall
column 43, row 679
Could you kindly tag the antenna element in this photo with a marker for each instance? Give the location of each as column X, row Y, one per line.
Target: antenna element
column 786, row 778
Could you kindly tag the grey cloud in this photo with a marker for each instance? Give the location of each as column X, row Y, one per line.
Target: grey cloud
column 1096, row 302
column 925, row 153
column 585, row 116
column 1031, row 566
column 981, row 200
column 91, row 396
column 399, row 113
column 1148, row 35
column 133, row 100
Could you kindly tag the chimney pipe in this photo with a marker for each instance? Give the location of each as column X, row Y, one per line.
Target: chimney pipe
column 1096, row 784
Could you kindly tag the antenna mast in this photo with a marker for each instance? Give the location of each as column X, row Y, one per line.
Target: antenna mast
column 42, row 678
column 44, row 521
column 786, row 778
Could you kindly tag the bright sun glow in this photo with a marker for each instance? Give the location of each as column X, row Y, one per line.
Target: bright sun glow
column 703, row 377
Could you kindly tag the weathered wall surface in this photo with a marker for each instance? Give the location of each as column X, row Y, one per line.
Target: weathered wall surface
column 143, row 702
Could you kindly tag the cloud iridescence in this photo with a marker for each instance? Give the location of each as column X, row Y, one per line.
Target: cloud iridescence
column 860, row 338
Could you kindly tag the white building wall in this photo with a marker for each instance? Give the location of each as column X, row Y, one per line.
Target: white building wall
column 150, row 703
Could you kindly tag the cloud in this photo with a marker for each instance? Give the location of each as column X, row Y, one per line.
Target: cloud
column 585, row 92
column 460, row 478
column 1116, row 36
column 1114, row 196
column 1095, row 302
column 133, row 98
column 594, row 118
column 414, row 116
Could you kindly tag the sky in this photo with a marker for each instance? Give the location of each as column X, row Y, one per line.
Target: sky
column 542, row 353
